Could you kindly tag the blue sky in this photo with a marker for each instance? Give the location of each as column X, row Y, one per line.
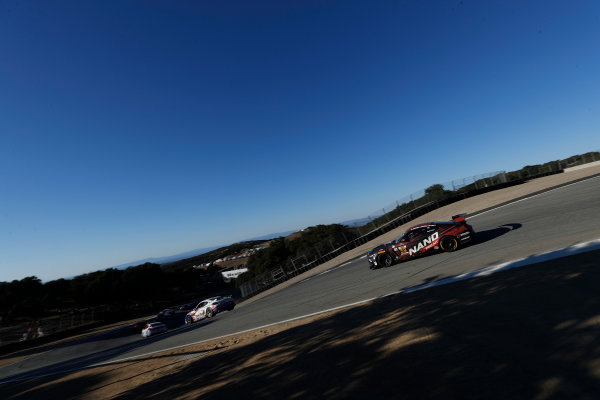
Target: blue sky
column 135, row 129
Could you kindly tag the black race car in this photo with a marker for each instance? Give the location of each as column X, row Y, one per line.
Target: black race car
column 423, row 239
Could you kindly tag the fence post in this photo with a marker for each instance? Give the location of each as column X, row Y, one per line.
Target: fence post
column 318, row 252
column 344, row 236
column 385, row 214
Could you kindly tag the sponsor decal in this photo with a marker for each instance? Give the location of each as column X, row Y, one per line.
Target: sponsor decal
column 425, row 244
column 233, row 273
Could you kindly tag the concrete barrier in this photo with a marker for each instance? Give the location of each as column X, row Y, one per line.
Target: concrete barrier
column 588, row 165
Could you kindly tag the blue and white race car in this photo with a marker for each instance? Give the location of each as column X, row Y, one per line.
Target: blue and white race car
column 209, row 307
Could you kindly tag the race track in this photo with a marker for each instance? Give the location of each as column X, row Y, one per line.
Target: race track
column 548, row 221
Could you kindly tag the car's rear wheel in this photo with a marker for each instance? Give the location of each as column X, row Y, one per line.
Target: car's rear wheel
column 209, row 312
column 384, row 260
column 448, row 243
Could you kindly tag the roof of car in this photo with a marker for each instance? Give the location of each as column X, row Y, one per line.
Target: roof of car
column 430, row 223
column 421, row 225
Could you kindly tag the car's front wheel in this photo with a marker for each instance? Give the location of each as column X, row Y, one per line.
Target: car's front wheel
column 384, row 260
column 188, row 320
column 448, row 243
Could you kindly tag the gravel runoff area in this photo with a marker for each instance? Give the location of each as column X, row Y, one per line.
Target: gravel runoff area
column 530, row 333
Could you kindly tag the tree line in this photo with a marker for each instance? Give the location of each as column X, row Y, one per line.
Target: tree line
column 141, row 287
column 298, row 249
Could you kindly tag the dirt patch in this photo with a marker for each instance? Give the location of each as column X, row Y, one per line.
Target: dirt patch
column 530, row 333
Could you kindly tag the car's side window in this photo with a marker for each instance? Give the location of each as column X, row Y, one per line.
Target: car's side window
column 410, row 235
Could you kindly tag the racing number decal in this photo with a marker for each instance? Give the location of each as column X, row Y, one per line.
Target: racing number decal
column 401, row 249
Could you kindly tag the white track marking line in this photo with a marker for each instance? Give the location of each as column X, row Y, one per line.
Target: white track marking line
column 518, row 263
column 531, row 197
column 331, row 269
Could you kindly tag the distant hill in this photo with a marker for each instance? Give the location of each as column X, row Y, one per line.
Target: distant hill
column 356, row 222
column 196, row 252
column 233, row 250
column 168, row 259
column 272, row 236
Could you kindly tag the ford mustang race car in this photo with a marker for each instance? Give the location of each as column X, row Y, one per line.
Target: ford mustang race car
column 423, row 239
column 209, row 307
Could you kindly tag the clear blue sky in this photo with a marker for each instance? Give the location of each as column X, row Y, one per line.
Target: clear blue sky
column 135, row 129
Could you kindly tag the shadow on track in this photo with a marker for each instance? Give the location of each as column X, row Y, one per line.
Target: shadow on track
column 102, row 356
column 491, row 234
column 528, row 333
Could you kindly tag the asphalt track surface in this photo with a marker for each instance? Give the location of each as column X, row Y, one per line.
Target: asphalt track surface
column 552, row 220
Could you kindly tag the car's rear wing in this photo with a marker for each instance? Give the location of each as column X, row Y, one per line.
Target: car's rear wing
column 460, row 218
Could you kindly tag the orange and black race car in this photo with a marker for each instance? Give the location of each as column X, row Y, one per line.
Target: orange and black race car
column 423, row 239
